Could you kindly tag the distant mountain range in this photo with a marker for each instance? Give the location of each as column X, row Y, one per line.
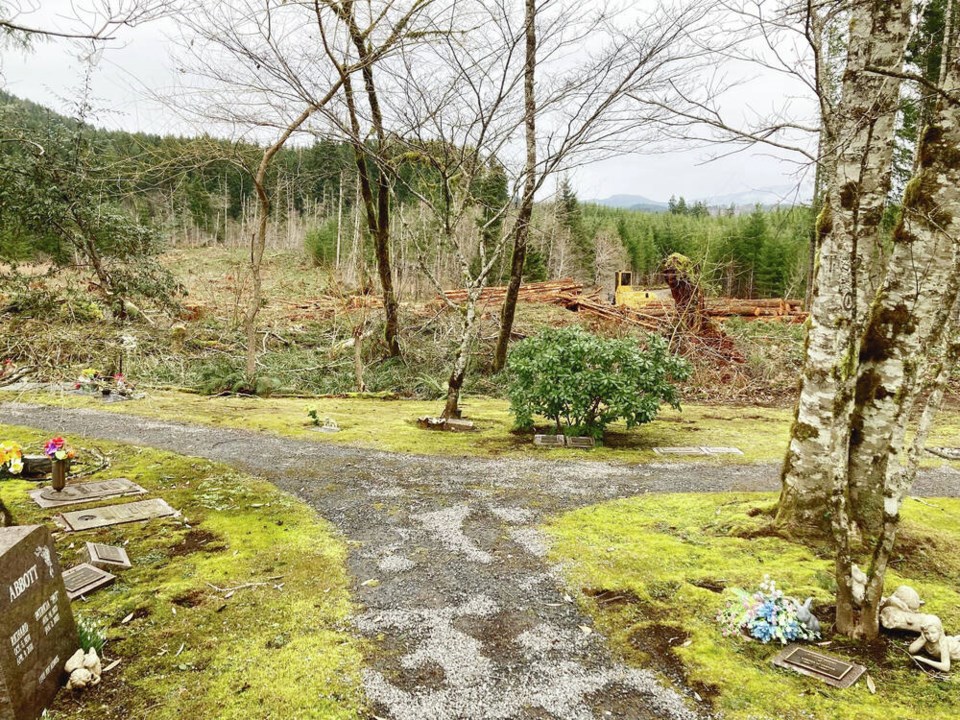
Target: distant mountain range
column 785, row 195
column 631, row 202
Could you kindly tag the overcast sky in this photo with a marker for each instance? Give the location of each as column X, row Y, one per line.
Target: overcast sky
column 51, row 74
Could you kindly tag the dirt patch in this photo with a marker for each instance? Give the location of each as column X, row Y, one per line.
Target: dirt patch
column 429, row 676
column 657, row 641
column 617, row 702
column 140, row 613
column 768, row 530
column 714, row 586
column 611, row 598
column 195, row 541
column 190, row 599
column 498, row 633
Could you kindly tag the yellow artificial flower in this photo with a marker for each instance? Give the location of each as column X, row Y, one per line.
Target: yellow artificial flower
column 11, row 454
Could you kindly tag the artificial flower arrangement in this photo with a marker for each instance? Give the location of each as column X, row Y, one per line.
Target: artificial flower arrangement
column 11, row 458
column 57, row 449
column 765, row 615
column 91, row 380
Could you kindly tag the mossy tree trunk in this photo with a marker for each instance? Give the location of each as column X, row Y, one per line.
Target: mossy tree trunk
column 876, row 359
column 908, row 349
column 859, row 138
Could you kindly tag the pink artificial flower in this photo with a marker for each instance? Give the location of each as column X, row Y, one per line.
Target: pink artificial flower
column 53, row 446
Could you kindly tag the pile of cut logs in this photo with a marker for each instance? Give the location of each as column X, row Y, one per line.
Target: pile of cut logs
column 570, row 294
column 545, row 292
column 767, row 309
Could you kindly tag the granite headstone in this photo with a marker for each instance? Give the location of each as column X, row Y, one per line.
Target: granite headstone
column 37, row 631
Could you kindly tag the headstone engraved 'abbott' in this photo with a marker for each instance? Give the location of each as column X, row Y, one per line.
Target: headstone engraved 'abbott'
column 37, row 632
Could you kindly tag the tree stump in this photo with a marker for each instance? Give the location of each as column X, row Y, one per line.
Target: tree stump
column 687, row 293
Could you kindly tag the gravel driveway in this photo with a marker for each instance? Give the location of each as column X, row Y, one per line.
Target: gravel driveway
column 469, row 619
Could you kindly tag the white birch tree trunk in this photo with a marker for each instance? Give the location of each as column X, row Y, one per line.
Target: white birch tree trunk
column 905, row 354
column 860, row 142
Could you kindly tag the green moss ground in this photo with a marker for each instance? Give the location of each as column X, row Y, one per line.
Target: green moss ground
column 264, row 652
column 381, row 424
column 650, row 569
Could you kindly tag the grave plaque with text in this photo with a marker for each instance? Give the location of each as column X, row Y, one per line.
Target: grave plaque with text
column 85, row 492
column 116, row 514
column 107, row 556
column 811, row 663
column 549, row 440
column 37, row 632
column 84, row 579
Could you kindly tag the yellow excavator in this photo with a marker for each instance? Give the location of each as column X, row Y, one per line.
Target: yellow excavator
column 626, row 294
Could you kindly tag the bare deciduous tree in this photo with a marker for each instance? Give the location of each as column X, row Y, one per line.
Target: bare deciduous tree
column 579, row 112
column 90, row 20
column 262, row 68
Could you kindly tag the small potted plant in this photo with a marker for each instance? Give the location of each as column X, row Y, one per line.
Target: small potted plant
column 60, row 455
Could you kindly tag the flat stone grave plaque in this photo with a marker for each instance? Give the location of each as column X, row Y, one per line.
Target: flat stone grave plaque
column 106, row 557
column 549, row 440
column 84, row 579
column 37, row 632
column 117, row 514
column 85, row 492
column 581, row 442
column 686, row 450
column 830, row 670
column 722, row 451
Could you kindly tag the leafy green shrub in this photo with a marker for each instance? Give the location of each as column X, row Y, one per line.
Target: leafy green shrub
column 583, row 382
column 225, row 376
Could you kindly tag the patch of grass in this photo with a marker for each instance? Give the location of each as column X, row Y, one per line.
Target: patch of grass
column 189, row 652
column 386, row 424
column 382, row 423
column 653, row 569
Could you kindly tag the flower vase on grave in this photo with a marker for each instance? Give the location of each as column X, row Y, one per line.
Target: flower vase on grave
column 59, row 474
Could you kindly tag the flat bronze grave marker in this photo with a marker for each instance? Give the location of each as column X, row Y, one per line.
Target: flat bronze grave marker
column 107, row 556
column 37, row 632
column 84, row 579
column 831, row 670
column 117, row 514
column 549, row 440
column 85, row 492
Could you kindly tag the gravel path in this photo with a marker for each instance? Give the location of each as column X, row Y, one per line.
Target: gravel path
column 470, row 620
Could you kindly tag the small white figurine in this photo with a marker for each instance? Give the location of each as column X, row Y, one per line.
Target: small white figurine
column 933, row 641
